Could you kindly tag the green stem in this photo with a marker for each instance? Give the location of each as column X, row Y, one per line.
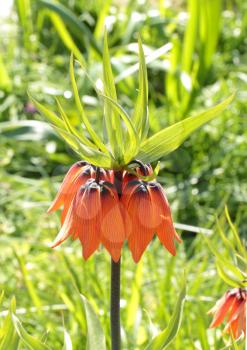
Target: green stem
column 115, row 305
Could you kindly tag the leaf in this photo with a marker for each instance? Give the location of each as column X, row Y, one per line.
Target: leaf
column 162, row 340
column 235, row 234
column 51, row 116
column 112, row 120
column 132, row 140
column 95, row 335
column 79, row 29
column 90, row 154
column 71, row 129
column 31, row 342
column 229, row 278
column 227, row 270
column 67, row 341
column 133, row 303
column 65, row 36
column 170, row 138
column 140, row 115
column 83, row 116
column 27, row 130
column 9, row 339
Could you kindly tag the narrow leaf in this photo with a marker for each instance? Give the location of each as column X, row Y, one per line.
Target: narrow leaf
column 95, row 335
column 112, row 120
column 140, row 116
column 162, row 340
column 132, row 139
column 67, row 341
column 87, row 153
column 82, row 113
column 71, row 129
column 170, row 138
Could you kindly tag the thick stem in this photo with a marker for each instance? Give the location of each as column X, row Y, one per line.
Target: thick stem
column 115, row 305
column 115, row 284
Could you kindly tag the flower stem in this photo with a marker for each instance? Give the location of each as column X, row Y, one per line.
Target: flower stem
column 115, row 283
column 115, row 305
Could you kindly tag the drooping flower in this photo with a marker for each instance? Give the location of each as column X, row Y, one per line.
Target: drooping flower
column 148, row 212
column 232, row 307
column 99, row 211
column 93, row 215
column 76, row 177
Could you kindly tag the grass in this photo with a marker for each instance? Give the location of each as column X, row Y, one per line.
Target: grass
column 208, row 171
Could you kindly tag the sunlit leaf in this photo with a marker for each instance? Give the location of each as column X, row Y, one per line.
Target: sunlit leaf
column 140, row 115
column 131, row 141
column 163, row 340
column 95, row 335
column 170, row 138
column 9, row 339
column 82, row 113
column 65, row 36
column 90, row 154
column 79, row 29
column 67, row 341
column 112, row 119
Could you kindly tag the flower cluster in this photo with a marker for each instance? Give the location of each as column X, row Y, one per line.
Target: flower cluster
column 108, row 207
column 231, row 306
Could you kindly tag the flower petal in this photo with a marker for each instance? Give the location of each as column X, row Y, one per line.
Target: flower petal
column 64, row 188
column 221, row 308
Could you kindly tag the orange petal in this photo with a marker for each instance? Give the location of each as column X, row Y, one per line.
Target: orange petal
column 66, row 229
column 140, row 211
column 91, row 220
column 113, row 248
column 221, row 308
column 64, row 188
column 78, row 181
column 162, row 218
column 112, row 225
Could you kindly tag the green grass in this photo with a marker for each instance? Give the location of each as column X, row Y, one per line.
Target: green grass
column 208, row 171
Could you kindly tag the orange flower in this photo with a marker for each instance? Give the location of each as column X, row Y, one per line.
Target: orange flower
column 95, row 212
column 231, row 306
column 148, row 212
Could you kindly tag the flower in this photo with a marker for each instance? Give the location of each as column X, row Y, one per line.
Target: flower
column 96, row 213
column 148, row 212
column 94, row 217
column 231, row 306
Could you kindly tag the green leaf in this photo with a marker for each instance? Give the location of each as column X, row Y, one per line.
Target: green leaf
column 90, row 154
column 170, row 138
column 140, row 115
column 95, row 335
column 51, row 116
column 71, row 129
column 31, row 342
column 9, row 339
column 67, row 341
column 133, row 303
column 83, row 116
column 65, row 36
column 239, row 244
column 132, row 144
column 79, row 29
column 112, row 119
column 228, row 275
column 162, row 340
column 27, row 130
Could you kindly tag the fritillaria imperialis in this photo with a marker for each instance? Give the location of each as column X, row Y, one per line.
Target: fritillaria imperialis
column 105, row 199
column 96, row 210
column 232, row 307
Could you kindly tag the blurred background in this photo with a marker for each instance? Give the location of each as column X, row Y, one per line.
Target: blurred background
column 196, row 53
